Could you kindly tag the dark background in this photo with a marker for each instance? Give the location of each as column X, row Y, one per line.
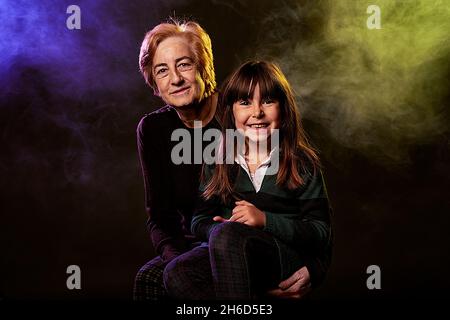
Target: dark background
column 71, row 188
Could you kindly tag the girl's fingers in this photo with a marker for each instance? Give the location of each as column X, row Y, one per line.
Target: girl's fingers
column 289, row 281
column 237, row 209
column 300, row 287
column 242, row 220
column 219, row 219
column 244, row 203
column 236, row 216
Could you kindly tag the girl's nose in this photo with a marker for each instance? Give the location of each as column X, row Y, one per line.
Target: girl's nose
column 257, row 111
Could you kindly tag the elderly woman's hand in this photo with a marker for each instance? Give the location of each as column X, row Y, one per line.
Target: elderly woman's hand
column 295, row 287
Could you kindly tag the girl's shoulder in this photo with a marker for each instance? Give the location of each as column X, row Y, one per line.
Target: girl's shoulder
column 305, row 166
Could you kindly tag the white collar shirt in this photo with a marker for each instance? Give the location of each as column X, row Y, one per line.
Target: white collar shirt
column 258, row 177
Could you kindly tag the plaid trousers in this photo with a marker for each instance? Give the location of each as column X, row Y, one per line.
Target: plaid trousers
column 239, row 263
column 148, row 284
column 189, row 276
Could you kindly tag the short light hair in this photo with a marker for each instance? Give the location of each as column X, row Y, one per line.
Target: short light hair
column 197, row 38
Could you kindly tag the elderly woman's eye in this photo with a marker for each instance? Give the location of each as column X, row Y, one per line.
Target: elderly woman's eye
column 184, row 66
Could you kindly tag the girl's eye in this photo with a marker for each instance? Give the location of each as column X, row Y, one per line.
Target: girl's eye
column 243, row 102
column 268, row 101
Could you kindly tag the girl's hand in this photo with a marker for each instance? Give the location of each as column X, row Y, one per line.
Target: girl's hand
column 248, row 214
column 295, row 287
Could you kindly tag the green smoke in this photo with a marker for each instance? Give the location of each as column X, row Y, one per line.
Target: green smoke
column 378, row 91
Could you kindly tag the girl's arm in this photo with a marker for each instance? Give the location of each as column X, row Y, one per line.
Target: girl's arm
column 310, row 229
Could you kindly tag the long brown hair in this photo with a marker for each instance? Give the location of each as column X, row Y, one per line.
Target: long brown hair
column 294, row 146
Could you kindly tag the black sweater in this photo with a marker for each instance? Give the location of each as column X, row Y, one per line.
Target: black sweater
column 170, row 189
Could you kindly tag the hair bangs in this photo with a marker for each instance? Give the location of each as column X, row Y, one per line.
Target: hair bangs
column 242, row 85
column 269, row 86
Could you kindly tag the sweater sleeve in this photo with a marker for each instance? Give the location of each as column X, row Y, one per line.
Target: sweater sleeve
column 164, row 222
column 318, row 265
column 310, row 230
column 205, row 210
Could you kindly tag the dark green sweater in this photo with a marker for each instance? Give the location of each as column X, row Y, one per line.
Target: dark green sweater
column 299, row 219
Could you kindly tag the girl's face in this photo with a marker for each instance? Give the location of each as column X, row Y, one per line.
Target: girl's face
column 257, row 116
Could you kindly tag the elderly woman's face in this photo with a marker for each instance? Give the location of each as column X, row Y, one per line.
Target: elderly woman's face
column 175, row 73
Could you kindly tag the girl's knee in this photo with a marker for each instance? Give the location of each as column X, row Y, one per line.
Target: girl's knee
column 227, row 233
column 175, row 277
column 170, row 271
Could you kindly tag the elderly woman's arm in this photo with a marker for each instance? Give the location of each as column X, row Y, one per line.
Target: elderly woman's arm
column 164, row 222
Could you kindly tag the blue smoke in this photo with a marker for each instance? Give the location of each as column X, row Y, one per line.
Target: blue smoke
column 102, row 55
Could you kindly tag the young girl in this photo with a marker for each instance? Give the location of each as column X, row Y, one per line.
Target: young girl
column 259, row 227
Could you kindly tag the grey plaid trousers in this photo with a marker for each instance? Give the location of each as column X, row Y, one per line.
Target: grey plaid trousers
column 148, row 283
column 239, row 263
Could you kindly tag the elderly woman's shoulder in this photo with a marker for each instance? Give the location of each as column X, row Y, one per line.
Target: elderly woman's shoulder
column 161, row 112
column 157, row 119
